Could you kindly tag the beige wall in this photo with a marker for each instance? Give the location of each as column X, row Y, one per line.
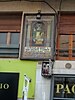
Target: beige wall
column 34, row 7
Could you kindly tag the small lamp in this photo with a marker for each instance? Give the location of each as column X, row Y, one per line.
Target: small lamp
column 38, row 16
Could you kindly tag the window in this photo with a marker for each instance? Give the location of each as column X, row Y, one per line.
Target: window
column 64, row 45
column 36, row 36
column 9, row 44
column 66, row 37
column 63, row 87
column 66, row 48
column 10, row 24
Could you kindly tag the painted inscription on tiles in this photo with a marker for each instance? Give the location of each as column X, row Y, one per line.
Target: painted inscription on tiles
column 38, row 52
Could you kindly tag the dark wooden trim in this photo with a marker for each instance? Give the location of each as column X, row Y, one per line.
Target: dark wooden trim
column 42, row 14
column 66, row 12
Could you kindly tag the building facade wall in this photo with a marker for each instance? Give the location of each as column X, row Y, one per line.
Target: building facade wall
column 30, row 7
column 42, row 89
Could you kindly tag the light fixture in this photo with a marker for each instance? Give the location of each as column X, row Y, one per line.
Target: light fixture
column 38, row 16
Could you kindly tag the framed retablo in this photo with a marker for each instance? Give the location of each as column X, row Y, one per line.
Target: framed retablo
column 36, row 36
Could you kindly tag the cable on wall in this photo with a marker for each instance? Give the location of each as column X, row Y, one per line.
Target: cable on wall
column 60, row 5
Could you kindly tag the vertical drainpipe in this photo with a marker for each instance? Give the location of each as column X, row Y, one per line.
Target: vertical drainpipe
column 53, row 38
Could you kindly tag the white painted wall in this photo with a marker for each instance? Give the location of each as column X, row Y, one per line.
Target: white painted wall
column 42, row 90
column 59, row 67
